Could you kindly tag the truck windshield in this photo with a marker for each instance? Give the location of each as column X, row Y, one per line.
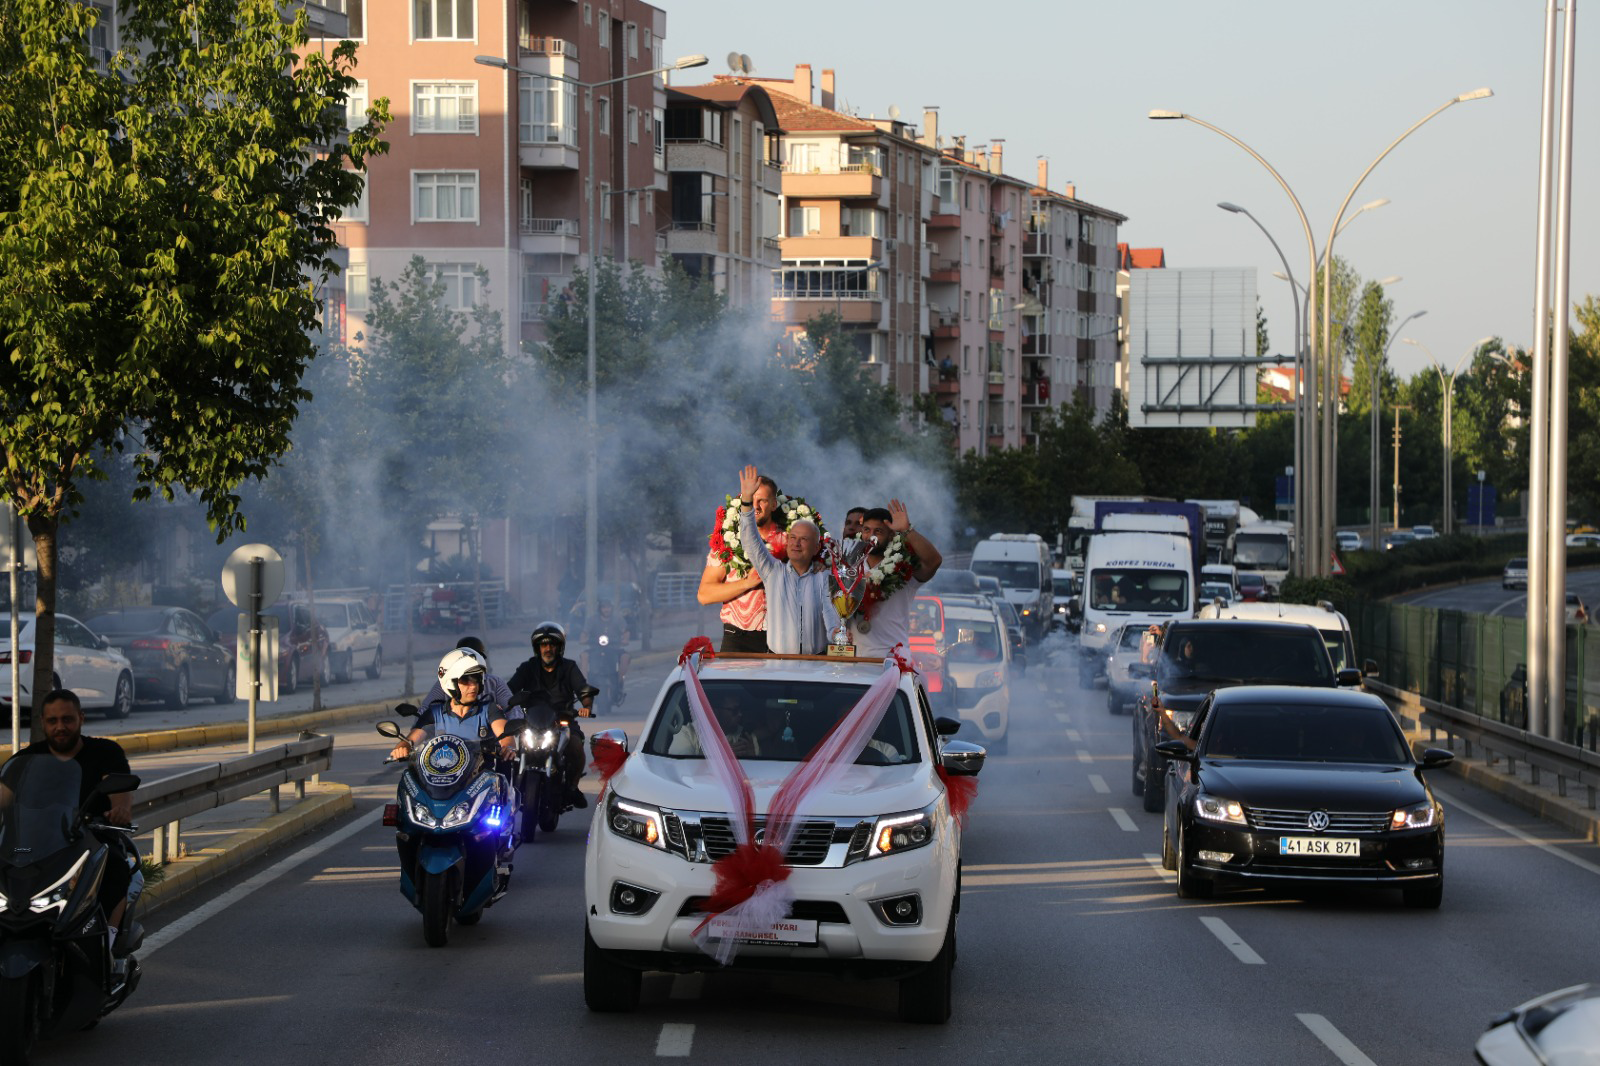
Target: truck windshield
column 1139, row 590
column 1261, row 551
column 1012, row 575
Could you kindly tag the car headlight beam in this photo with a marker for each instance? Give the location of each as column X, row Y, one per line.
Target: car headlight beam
column 896, row 833
column 1418, row 816
column 1217, row 809
column 639, row 822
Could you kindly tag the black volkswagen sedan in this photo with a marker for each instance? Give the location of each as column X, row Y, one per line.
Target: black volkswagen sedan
column 1301, row 784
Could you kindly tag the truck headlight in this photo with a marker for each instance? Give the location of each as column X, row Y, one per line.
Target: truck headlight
column 639, row 822
column 1099, row 627
column 895, row 833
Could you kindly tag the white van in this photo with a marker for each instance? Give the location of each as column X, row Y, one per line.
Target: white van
column 1132, row 577
column 1021, row 562
column 1334, row 627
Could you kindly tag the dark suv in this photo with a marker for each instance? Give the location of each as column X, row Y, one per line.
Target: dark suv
column 1199, row 656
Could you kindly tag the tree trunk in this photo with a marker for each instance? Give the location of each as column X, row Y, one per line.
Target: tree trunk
column 44, row 529
column 410, row 600
column 311, row 605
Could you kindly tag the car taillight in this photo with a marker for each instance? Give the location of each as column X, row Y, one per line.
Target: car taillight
column 24, row 657
column 151, row 643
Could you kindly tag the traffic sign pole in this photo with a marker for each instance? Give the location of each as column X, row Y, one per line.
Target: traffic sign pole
column 256, row 565
column 253, row 577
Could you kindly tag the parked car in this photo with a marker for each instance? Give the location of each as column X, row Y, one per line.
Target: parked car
column 1121, row 686
column 1583, row 540
column 84, row 662
column 874, row 865
column 1515, row 575
column 1199, row 656
column 1278, row 784
column 302, row 647
column 355, row 638
column 175, row 654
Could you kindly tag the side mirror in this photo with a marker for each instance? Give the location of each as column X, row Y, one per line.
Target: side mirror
column 1433, row 758
column 962, row 759
column 406, row 710
column 1348, row 675
column 388, row 729
column 115, row 784
column 1369, row 668
column 616, row 736
column 1177, row 750
column 947, row 727
column 588, row 692
column 1142, row 670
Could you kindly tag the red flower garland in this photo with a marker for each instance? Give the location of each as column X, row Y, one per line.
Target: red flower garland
column 740, row 874
column 960, row 792
column 608, row 758
column 696, row 646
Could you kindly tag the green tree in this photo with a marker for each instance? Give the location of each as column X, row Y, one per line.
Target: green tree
column 1342, row 310
column 1374, row 318
column 164, row 222
column 1263, row 343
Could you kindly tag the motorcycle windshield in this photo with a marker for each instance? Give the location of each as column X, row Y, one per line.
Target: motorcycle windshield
column 445, row 761
column 40, row 810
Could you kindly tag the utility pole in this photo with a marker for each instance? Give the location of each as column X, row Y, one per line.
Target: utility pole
column 1397, row 409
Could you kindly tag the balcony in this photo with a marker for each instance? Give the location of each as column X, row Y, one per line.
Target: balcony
column 549, row 236
column 945, row 271
column 819, row 246
column 1036, row 344
column 946, row 328
column 1036, row 393
column 855, row 308
column 530, row 45
column 951, row 220
column 549, row 147
column 708, row 157
column 997, row 267
column 848, row 181
column 698, row 237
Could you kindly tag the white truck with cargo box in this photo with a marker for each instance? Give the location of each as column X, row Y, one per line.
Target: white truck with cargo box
column 1021, row 562
column 1139, row 569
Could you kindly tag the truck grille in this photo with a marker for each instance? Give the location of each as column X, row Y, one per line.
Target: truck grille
column 810, row 845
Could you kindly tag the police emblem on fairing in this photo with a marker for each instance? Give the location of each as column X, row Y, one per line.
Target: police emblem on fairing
column 1317, row 821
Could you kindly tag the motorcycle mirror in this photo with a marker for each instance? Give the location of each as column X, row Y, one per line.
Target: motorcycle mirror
column 388, row 729
column 115, row 784
column 588, row 692
column 406, row 710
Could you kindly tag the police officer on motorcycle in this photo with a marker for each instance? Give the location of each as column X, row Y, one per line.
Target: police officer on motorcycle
column 466, row 707
column 556, row 680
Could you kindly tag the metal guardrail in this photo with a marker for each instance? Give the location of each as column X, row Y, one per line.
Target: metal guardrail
column 1496, row 740
column 674, row 590
column 171, row 799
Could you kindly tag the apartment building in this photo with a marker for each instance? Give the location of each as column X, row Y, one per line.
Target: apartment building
column 719, row 216
column 486, row 167
column 857, row 193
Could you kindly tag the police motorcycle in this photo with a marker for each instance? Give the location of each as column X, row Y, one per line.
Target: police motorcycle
column 456, row 820
column 541, row 767
column 58, row 972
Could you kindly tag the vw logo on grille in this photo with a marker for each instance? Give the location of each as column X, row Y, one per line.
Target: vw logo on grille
column 761, row 835
column 1317, row 821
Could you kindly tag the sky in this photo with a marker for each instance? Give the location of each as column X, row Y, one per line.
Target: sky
column 1318, row 89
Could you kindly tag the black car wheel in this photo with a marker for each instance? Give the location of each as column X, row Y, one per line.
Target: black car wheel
column 346, row 671
column 925, row 995
column 1169, row 857
column 1113, row 705
column 179, row 699
column 608, row 987
column 1425, row 897
column 122, row 704
column 291, row 680
column 1189, row 885
column 229, row 684
column 377, row 664
column 1155, row 786
column 1138, row 784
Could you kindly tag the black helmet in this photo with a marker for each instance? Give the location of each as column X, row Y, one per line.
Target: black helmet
column 550, row 633
column 476, row 644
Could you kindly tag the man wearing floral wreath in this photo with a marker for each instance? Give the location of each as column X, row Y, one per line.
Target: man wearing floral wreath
column 900, row 562
column 743, row 600
column 798, row 608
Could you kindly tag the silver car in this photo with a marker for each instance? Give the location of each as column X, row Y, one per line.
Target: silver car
column 355, row 640
column 1121, row 688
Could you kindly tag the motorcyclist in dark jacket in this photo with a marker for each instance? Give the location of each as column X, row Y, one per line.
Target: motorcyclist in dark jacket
column 551, row 678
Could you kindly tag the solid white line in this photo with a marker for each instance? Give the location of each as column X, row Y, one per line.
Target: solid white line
column 1098, row 783
column 1084, row 756
column 168, row 933
column 1120, row 816
column 1512, row 602
column 1232, row 942
column 1526, row 838
column 687, row 986
column 1072, row 735
column 1063, row 716
column 1155, row 864
column 675, row 1041
column 1323, row 1029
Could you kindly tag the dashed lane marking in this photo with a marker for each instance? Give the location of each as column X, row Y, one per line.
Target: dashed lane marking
column 675, row 1041
column 1063, row 716
column 1120, row 816
column 1336, row 1042
column 1232, row 941
column 1098, row 783
column 1084, row 756
column 168, row 933
column 1074, row 736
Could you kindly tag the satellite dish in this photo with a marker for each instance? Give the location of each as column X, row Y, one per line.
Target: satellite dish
column 745, row 66
column 733, row 62
column 739, row 63
column 894, row 112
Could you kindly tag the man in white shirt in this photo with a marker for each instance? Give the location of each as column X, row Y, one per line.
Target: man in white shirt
column 798, row 611
column 889, row 622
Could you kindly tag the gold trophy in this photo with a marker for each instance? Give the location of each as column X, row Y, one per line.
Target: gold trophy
column 848, row 580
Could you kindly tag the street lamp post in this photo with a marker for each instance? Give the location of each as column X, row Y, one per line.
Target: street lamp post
column 591, row 518
column 1447, row 386
column 1331, row 360
column 1375, row 496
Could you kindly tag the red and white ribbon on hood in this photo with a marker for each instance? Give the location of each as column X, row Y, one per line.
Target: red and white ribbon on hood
column 751, row 890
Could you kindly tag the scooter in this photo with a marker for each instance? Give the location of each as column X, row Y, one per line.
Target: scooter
column 541, row 766
column 58, row 972
column 456, row 821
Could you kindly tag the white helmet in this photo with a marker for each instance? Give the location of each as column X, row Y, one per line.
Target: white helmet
column 458, row 663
